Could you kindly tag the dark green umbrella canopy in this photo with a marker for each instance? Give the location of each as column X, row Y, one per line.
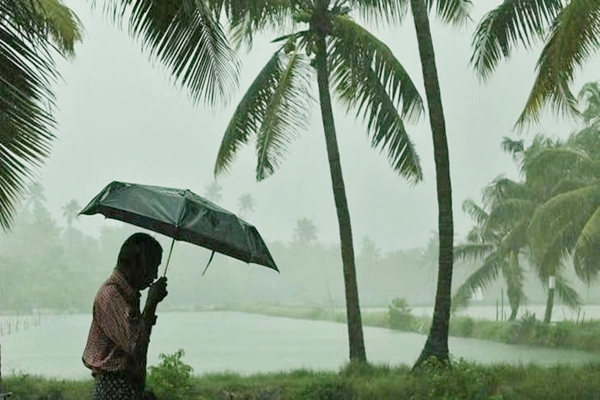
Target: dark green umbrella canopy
column 182, row 215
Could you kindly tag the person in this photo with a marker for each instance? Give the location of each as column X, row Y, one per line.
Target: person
column 118, row 339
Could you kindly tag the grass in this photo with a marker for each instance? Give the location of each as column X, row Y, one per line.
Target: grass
column 463, row 381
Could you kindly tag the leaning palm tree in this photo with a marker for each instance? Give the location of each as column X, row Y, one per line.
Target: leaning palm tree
column 569, row 30
column 453, row 12
column 32, row 34
column 342, row 57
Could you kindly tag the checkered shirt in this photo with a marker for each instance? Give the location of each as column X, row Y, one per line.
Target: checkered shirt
column 117, row 336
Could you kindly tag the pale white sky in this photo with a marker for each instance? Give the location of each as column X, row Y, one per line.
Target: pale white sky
column 120, row 118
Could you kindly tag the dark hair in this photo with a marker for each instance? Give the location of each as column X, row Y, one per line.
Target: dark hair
column 134, row 246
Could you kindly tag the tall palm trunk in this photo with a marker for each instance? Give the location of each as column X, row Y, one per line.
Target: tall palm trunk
column 550, row 300
column 355, row 331
column 437, row 341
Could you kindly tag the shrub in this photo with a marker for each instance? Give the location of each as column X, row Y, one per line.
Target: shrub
column 400, row 315
column 171, row 379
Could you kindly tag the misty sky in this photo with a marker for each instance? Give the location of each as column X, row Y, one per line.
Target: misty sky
column 120, row 118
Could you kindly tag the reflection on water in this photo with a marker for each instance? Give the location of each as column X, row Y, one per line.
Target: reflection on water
column 245, row 343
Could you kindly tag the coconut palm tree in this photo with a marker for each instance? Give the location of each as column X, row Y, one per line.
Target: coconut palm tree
column 71, row 211
column 305, row 231
column 246, row 204
column 213, row 192
column 569, row 30
column 567, row 224
column 32, row 34
column 453, row 12
column 342, row 57
column 35, row 195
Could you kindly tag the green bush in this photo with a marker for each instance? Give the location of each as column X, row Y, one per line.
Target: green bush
column 171, row 379
column 400, row 315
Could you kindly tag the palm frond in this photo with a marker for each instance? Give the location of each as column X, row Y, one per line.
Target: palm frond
column 287, row 112
column 253, row 18
column 478, row 214
column 481, row 278
column 515, row 148
column 503, row 188
column 567, row 211
column 567, row 295
column 567, row 185
column 509, row 24
column 473, row 251
column 507, row 213
column 515, row 236
column 475, row 234
column 62, row 24
column 27, row 72
column 453, row 12
column 250, row 113
column 586, row 254
column 274, row 108
column 375, row 11
column 368, row 78
column 553, row 164
column 589, row 95
column 187, row 38
column 574, row 39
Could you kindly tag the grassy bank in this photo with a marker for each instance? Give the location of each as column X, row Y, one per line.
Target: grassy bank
column 463, row 381
column 575, row 335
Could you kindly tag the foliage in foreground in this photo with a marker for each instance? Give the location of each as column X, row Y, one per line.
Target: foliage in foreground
column 171, row 380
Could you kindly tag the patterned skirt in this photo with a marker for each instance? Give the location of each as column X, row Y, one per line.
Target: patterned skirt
column 116, row 386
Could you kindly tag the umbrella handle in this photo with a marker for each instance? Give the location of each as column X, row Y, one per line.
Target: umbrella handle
column 169, row 257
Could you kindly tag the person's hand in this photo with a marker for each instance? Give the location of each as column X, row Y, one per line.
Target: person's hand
column 157, row 291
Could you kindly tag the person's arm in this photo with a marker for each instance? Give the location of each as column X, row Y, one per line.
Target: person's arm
column 156, row 294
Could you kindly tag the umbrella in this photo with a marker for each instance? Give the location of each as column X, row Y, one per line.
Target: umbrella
column 182, row 215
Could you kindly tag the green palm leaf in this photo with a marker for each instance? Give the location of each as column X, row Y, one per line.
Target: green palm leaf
column 502, row 188
column 287, row 111
column 185, row 37
column 571, row 209
column 556, row 226
column 27, row 72
column 482, row 277
column 586, row 254
column 513, row 21
column 374, row 11
column 590, row 96
column 472, row 251
column 509, row 212
column 455, row 12
column 566, row 293
column 277, row 88
column 553, row 164
column 367, row 77
column 478, row 214
column 574, row 38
